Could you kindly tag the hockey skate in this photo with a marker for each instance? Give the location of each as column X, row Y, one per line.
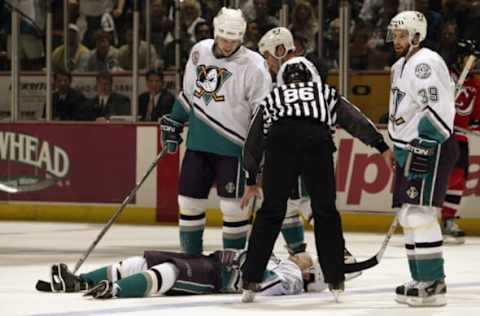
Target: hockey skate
column 452, row 234
column 337, row 288
column 103, row 290
column 63, row 280
column 349, row 258
column 248, row 293
column 401, row 291
column 431, row 293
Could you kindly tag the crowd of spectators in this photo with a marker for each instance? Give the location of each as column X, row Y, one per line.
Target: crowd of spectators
column 100, row 31
column 100, row 36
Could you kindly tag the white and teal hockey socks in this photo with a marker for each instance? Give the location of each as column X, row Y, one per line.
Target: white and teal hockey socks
column 116, row 271
column 191, row 224
column 158, row 279
column 423, row 242
column 236, row 224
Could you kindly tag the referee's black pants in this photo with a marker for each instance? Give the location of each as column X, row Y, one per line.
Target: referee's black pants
column 297, row 146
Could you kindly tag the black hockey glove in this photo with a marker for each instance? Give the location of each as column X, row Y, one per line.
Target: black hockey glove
column 171, row 130
column 469, row 47
column 422, row 154
column 230, row 258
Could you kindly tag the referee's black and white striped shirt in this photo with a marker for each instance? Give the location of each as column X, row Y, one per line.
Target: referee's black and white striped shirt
column 311, row 99
column 303, row 99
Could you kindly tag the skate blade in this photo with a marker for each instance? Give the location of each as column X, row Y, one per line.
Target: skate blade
column 433, row 301
column 336, row 295
column 401, row 299
column 449, row 240
column 353, row 275
column 248, row 296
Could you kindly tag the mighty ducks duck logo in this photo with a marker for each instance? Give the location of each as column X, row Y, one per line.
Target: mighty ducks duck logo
column 209, row 81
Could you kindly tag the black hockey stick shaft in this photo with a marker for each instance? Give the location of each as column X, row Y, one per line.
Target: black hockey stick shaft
column 373, row 261
column 120, row 209
column 45, row 286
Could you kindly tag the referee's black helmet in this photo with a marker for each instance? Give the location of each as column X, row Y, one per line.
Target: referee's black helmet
column 296, row 72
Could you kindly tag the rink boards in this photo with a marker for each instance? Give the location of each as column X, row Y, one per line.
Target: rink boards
column 83, row 172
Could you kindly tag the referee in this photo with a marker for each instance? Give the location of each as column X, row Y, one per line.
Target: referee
column 293, row 128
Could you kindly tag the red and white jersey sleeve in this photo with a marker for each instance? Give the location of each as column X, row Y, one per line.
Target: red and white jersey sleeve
column 467, row 105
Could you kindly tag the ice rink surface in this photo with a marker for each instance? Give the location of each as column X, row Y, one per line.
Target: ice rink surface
column 27, row 249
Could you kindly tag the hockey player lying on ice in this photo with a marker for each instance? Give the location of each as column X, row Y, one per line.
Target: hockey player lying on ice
column 168, row 273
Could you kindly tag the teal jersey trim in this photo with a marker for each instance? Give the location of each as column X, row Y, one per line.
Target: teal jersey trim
column 193, row 287
column 178, row 112
column 427, row 130
column 202, row 137
column 400, row 156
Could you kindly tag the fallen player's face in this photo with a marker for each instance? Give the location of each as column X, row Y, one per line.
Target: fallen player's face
column 227, row 47
column 401, row 42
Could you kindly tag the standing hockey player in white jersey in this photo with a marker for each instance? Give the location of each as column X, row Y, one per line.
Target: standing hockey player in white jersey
column 421, row 115
column 223, row 82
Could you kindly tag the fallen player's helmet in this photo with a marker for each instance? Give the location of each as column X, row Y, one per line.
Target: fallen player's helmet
column 229, row 24
column 413, row 22
column 315, row 281
column 296, row 72
column 274, row 38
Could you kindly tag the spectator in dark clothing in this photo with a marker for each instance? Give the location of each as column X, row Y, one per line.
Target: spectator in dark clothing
column 157, row 101
column 456, row 10
column 258, row 11
column 331, row 44
column 471, row 21
column 104, row 57
column 300, row 46
column 106, row 103
column 434, row 24
column 161, row 25
column 202, row 31
column 168, row 53
column 448, row 42
column 66, row 101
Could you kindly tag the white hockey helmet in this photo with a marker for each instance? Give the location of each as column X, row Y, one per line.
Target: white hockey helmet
column 229, row 24
column 274, row 38
column 413, row 22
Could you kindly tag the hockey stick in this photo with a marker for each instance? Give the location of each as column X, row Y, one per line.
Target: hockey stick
column 373, row 261
column 466, row 69
column 467, row 131
column 46, row 286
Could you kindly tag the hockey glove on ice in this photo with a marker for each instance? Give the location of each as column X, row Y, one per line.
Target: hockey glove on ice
column 422, row 154
column 171, row 131
column 230, row 258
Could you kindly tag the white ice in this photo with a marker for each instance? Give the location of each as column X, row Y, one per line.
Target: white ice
column 27, row 249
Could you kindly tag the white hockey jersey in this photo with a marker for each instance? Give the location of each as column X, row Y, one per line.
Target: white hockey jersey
column 222, row 94
column 281, row 277
column 421, row 99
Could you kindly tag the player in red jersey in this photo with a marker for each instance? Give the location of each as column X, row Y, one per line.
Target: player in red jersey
column 467, row 105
